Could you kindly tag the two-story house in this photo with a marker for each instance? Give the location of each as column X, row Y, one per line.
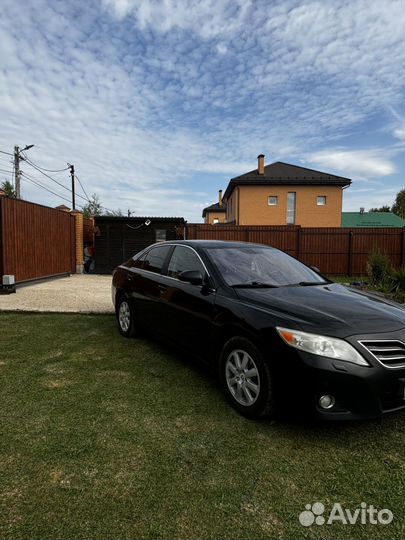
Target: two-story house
column 216, row 213
column 281, row 193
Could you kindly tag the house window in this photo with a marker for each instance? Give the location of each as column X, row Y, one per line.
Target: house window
column 215, row 221
column 273, row 200
column 321, row 200
column 160, row 235
column 291, row 203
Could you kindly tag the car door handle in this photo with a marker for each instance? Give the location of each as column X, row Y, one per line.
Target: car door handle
column 162, row 288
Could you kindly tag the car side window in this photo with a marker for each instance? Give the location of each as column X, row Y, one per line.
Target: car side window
column 184, row 259
column 137, row 263
column 154, row 259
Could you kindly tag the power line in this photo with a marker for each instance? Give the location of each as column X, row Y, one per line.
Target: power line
column 43, row 187
column 5, row 161
column 47, row 175
column 53, row 179
column 38, row 184
column 4, row 171
column 81, row 185
column 42, row 171
column 43, row 168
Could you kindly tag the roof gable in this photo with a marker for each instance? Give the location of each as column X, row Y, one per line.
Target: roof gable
column 214, row 208
column 280, row 173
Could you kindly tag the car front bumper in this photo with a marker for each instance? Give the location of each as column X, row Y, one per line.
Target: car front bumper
column 359, row 392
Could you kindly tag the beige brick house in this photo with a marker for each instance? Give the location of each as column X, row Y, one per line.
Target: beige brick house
column 216, row 213
column 284, row 194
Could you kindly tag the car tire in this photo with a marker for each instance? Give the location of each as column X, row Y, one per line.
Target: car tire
column 246, row 379
column 125, row 317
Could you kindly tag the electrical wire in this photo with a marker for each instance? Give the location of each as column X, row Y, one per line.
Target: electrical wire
column 43, row 168
column 53, row 179
column 28, row 178
column 47, row 175
column 81, row 185
column 42, row 171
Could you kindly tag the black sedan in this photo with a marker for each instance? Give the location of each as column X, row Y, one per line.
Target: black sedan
column 279, row 335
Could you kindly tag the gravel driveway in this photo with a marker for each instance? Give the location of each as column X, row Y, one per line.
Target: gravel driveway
column 78, row 293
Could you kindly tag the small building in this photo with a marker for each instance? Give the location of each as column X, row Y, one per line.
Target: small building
column 216, row 213
column 118, row 238
column 285, row 194
column 371, row 219
column 63, row 208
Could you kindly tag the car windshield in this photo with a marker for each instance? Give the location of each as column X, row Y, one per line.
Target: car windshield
column 260, row 267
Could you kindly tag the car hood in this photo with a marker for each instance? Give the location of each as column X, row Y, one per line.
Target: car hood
column 332, row 308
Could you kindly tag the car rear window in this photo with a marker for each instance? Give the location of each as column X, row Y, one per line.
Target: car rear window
column 154, row 259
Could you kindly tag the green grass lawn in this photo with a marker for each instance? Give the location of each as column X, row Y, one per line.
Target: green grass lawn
column 103, row 437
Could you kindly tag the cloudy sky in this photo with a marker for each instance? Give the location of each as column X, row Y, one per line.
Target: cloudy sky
column 159, row 103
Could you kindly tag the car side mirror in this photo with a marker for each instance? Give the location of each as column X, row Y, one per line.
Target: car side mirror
column 194, row 277
column 315, row 269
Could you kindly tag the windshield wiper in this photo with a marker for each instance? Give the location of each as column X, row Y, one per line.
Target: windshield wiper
column 254, row 285
column 308, row 283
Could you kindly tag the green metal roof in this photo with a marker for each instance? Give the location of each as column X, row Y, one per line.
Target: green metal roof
column 371, row 219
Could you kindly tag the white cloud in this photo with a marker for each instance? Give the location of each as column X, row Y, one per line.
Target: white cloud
column 371, row 198
column 354, row 163
column 209, row 18
column 399, row 133
column 157, row 103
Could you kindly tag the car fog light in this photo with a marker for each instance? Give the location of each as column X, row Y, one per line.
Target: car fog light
column 327, row 401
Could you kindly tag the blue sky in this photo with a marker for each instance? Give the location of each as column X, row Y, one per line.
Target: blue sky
column 159, row 103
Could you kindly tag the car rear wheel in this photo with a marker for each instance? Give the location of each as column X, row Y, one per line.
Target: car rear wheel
column 246, row 379
column 125, row 317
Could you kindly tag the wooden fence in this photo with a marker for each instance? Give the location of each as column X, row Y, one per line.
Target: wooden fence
column 335, row 251
column 35, row 241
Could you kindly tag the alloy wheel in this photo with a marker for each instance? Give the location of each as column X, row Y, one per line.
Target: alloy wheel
column 242, row 377
column 124, row 316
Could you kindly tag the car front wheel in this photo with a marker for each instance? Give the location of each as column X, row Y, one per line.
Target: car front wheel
column 246, row 379
column 125, row 317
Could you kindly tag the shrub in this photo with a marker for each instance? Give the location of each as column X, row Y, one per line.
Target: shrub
column 379, row 269
column 398, row 279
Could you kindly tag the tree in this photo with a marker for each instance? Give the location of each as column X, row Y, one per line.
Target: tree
column 8, row 189
column 398, row 207
column 93, row 207
column 384, row 208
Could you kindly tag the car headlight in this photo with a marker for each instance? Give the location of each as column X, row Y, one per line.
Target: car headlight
column 322, row 346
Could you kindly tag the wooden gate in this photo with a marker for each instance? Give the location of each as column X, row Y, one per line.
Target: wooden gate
column 35, row 241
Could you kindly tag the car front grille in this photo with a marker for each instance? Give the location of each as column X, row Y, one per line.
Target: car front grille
column 391, row 353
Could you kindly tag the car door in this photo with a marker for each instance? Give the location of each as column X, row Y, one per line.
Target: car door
column 145, row 288
column 188, row 308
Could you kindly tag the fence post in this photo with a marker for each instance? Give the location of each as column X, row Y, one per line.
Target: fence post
column 2, row 233
column 78, row 240
column 350, row 254
column 403, row 248
column 298, row 244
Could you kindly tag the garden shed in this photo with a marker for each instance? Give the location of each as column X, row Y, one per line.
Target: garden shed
column 118, row 238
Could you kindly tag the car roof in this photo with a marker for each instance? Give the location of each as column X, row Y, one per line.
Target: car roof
column 213, row 243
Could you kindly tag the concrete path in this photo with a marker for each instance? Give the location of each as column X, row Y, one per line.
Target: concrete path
column 73, row 294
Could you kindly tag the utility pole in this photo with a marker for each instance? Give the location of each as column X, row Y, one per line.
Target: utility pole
column 72, row 175
column 17, row 177
column 17, row 172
